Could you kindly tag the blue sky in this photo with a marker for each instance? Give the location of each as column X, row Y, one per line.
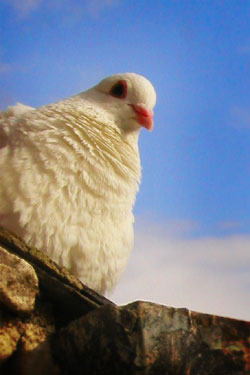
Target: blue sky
column 196, row 177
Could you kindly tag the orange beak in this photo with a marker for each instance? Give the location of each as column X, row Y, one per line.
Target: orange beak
column 144, row 116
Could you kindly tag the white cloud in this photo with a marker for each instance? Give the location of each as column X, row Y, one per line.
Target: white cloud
column 210, row 275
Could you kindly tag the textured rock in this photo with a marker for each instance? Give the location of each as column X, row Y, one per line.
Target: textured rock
column 35, row 330
column 25, row 327
column 70, row 296
column 73, row 330
column 23, row 334
column 18, row 283
column 146, row 338
column 10, row 334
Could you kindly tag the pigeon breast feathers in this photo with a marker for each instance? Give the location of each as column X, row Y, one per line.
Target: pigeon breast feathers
column 70, row 172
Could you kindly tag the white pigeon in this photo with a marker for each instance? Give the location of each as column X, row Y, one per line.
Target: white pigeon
column 70, row 172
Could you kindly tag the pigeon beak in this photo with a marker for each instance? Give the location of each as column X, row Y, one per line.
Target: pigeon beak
column 144, row 116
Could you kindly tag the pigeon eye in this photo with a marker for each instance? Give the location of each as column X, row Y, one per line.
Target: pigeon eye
column 119, row 90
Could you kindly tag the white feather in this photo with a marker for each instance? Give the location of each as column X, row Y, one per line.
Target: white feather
column 69, row 175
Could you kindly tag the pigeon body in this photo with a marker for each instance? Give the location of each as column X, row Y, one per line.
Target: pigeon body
column 70, row 172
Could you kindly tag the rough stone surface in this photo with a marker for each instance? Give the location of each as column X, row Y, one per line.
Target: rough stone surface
column 69, row 295
column 73, row 330
column 23, row 334
column 24, row 344
column 18, row 283
column 146, row 338
column 9, row 335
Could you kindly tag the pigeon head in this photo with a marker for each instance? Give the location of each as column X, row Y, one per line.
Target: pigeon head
column 128, row 97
